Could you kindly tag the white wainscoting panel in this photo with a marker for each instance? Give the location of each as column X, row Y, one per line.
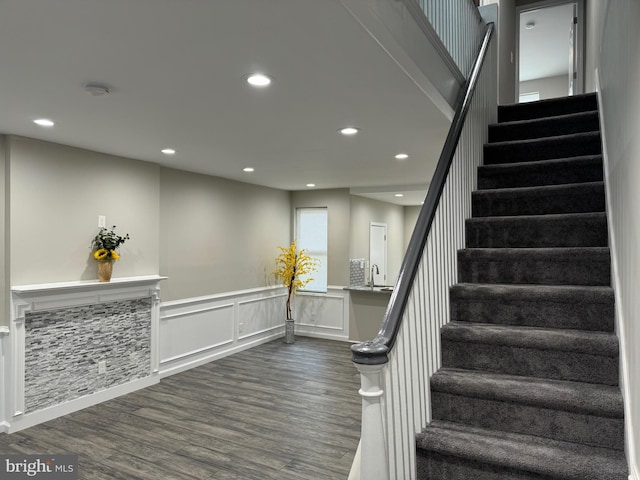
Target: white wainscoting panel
column 323, row 315
column 195, row 331
column 258, row 315
column 198, row 330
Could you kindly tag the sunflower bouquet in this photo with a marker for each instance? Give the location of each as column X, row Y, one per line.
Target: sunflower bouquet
column 105, row 244
column 291, row 264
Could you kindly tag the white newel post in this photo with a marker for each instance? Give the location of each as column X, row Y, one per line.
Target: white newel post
column 374, row 463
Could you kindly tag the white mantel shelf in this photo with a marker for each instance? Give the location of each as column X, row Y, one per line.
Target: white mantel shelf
column 87, row 285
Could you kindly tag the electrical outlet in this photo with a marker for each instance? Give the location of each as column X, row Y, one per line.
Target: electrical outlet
column 102, row 367
column 102, row 221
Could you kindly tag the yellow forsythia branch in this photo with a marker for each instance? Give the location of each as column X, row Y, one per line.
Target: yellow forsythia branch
column 291, row 264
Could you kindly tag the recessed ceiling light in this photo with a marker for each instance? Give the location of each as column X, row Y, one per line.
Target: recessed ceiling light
column 168, row 151
column 402, row 156
column 399, row 195
column 311, row 185
column 248, row 169
column 349, row 130
column 44, row 122
column 259, row 80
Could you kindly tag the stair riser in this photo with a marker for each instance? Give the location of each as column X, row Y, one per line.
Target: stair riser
column 565, row 106
column 432, row 465
column 541, row 312
column 534, row 269
column 537, row 233
column 531, row 420
column 556, row 147
column 587, row 122
column 533, row 175
column 530, row 362
column 539, row 202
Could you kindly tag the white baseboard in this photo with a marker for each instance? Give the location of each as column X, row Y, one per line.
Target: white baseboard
column 20, row 422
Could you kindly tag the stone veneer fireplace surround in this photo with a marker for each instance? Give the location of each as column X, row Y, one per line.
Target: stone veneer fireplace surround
column 61, row 333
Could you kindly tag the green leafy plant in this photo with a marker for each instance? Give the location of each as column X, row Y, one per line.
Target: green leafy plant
column 105, row 244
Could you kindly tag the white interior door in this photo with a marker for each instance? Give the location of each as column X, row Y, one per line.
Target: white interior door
column 378, row 253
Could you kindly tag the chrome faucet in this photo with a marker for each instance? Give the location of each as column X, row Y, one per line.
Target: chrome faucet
column 377, row 270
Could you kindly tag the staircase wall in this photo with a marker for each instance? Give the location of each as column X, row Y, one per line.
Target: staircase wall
column 615, row 65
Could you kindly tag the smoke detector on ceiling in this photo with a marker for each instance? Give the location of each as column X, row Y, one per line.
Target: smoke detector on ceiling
column 96, row 90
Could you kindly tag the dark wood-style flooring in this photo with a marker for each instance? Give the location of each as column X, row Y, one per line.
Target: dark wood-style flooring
column 277, row 411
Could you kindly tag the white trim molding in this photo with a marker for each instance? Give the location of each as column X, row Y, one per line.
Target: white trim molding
column 323, row 315
column 4, row 340
column 54, row 297
column 198, row 330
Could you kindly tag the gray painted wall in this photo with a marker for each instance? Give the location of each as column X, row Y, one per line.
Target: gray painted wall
column 4, row 232
column 218, row 235
column 363, row 212
column 549, row 87
column 507, row 24
column 56, row 194
column 618, row 63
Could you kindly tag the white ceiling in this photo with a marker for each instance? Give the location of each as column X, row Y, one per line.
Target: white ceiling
column 176, row 71
column 544, row 49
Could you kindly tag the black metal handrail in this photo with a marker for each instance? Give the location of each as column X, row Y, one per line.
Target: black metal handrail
column 374, row 352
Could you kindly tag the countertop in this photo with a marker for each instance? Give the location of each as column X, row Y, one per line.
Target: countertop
column 364, row 288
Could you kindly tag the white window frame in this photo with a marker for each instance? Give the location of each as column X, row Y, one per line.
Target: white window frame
column 315, row 240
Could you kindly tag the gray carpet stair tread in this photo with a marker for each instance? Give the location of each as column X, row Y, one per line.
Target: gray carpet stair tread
column 558, row 306
column 548, row 458
column 546, row 199
column 576, row 397
column 548, row 107
column 549, row 230
column 568, row 340
column 578, row 144
column 546, row 293
column 550, row 266
column 545, row 126
column 559, row 171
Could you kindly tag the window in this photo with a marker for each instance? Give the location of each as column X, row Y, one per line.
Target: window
column 311, row 235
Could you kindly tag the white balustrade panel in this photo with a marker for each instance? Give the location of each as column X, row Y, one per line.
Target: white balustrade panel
column 458, row 24
column 416, row 354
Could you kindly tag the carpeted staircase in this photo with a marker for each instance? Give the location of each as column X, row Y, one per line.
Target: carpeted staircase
column 528, row 387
